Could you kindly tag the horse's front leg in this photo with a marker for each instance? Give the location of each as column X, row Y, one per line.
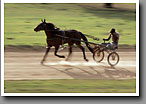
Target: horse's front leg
column 47, row 50
column 55, row 53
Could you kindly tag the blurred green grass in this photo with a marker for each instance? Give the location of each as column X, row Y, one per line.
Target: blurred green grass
column 91, row 19
column 70, row 86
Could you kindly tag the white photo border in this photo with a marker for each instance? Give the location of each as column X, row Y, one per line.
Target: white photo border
column 70, row 94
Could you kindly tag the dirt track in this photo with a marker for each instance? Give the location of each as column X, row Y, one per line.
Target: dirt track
column 25, row 65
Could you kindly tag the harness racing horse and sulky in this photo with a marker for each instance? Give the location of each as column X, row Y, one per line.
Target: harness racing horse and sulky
column 53, row 39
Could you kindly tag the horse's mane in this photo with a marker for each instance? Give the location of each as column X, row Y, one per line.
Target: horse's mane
column 51, row 26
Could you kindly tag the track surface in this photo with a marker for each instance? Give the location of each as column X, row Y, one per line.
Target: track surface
column 25, row 65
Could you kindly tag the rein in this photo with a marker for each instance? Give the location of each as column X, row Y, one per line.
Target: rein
column 92, row 37
column 76, row 39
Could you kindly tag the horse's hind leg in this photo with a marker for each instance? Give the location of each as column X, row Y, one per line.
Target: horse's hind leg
column 83, row 50
column 47, row 50
column 55, row 53
column 70, row 52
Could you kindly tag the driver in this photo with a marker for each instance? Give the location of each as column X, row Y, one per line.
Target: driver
column 115, row 38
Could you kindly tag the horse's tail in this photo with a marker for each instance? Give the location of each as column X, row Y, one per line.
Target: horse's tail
column 86, row 42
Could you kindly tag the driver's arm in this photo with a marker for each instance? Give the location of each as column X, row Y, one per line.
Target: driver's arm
column 108, row 38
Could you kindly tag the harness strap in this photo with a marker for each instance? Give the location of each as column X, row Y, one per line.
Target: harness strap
column 51, row 38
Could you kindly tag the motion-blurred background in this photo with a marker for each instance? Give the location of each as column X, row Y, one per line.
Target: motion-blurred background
column 90, row 18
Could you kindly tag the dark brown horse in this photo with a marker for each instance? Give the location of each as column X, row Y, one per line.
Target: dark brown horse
column 53, row 39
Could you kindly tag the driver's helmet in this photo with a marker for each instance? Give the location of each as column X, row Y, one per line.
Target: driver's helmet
column 112, row 30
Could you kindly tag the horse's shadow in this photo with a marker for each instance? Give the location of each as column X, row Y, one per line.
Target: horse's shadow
column 90, row 72
column 119, row 72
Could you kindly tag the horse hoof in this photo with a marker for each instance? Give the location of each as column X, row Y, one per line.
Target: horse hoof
column 62, row 56
column 86, row 60
column 66, row 59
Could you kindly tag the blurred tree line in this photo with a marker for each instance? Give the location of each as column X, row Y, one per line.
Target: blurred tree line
column 108, row 5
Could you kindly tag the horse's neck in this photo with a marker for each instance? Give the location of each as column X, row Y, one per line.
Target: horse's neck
column 48, row 34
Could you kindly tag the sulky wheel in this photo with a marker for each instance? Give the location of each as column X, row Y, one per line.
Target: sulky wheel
column 113, row 58
column 98, row 55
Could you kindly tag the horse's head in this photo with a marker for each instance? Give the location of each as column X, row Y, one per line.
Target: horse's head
column 44, row 26
column 41, row 26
